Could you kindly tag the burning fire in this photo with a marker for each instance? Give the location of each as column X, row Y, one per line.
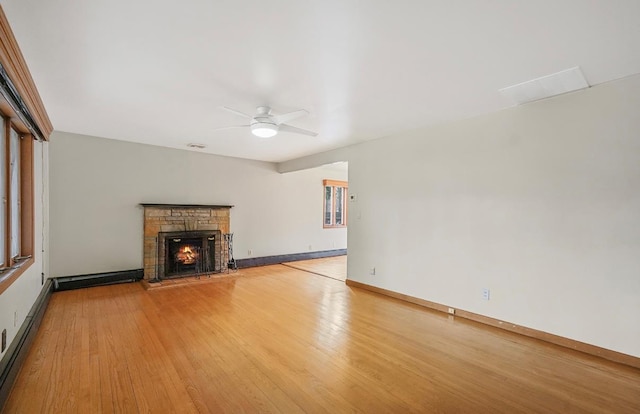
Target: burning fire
column 186, row 256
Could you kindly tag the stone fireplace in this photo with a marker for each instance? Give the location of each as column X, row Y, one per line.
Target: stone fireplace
column 184, row 240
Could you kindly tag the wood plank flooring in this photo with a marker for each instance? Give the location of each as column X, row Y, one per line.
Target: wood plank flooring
column 333, row 267
column 278, row 339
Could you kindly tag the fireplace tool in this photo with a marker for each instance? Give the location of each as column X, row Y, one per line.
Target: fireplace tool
column 231, row 265
column 201, row 266
column 156, row 276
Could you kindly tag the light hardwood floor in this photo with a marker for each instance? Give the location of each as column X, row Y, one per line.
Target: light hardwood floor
column 278, row 339
column 333, row 267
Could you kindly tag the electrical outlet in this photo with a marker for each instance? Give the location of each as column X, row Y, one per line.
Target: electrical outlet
column 249, row 252
column 486, row 294
column 452, row 311
column 372, row 271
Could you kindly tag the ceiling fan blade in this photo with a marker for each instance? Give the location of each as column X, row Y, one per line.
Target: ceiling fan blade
column 290, row 116
column 232, row 127
column 295, row 130
column 233, row 111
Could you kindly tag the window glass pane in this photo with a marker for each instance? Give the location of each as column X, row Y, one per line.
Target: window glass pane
column 14, row 171
column 3, row 196
column 328, row 205
column 339, row 203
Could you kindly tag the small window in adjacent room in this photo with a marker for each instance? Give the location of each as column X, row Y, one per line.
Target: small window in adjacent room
column 335, row 203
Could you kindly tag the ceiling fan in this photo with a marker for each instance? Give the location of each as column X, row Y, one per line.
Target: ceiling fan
column 265, row 125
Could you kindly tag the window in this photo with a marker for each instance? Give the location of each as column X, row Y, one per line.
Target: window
column 16, row 201
column 3, row 198
column 14, row 194
column 335, row 203
column 22, row 119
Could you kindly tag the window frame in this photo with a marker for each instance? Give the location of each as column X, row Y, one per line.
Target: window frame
column 22, row 109
column 16, row 265
column 334, row 185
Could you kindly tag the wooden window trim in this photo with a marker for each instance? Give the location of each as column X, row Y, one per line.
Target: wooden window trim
column 334, row 184
column 16, row 68
column 23, row 110
column 27, row 207
column 9, row 276
column 27, row 189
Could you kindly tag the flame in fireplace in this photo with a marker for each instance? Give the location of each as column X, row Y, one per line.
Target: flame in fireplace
column 186, row 256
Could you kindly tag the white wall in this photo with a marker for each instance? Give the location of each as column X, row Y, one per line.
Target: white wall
column 17, row 300
column 338, row 155
column 97, row 185
column 540, row 204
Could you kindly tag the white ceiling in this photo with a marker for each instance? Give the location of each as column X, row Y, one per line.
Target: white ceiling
column 157, row 72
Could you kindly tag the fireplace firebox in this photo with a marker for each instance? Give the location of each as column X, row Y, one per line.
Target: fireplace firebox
column 189, row 253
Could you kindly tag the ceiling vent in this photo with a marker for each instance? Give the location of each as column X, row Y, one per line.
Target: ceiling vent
column 547, row 86
column 196, row 145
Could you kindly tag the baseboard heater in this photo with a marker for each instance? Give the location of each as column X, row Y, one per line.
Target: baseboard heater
column 284, row 258
column 96, row 279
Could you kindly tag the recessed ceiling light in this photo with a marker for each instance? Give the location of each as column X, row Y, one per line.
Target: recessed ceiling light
column 198, row 146
column 547, row 86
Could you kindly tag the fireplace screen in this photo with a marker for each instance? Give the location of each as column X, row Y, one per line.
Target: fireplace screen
column 189, row 255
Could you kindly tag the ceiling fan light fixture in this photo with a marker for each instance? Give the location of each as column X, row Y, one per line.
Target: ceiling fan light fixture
column 264, row 129
column 266, row 125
